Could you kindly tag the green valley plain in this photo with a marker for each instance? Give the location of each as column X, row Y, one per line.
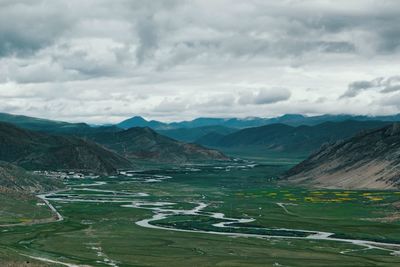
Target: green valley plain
column 226, row 214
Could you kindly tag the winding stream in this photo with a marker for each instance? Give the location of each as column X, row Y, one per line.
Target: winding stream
column 219, row 223
column 163, row 210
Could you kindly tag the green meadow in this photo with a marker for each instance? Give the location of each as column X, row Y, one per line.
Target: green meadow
column 100, row 221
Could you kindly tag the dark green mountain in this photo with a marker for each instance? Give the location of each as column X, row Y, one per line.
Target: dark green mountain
column 39, row 151
column 192, row 134
column 144, row 143
column 281, row 137
column 54, row 127
column 44, row 125
column 368, row 160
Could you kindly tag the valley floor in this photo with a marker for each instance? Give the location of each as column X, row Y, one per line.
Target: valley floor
column 211, row 215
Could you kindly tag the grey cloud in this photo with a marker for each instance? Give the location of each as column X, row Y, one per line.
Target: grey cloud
column 391, row 84
column 273, row 31
column 380, row 84
column 391, row 101
column 149, row 52
column 165, row 34
column 265, row 96
column 171, row 105
column 148, row 38
column 26, row 27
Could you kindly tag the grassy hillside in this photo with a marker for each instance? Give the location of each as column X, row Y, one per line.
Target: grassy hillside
column 18, row 205
column 14, row 178
column 38, row 124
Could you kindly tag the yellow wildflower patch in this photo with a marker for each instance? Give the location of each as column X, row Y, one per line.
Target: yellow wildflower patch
column 375, row 198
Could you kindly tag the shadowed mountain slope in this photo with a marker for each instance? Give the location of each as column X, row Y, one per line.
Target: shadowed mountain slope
column 39, row 151
column 144, row 143
column 192, row 134
column 281, row 137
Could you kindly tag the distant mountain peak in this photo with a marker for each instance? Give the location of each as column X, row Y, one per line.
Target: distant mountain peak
column 135, row 119
column 292, row 116
column 138, row 121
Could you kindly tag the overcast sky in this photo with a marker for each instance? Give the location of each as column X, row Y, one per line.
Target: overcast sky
column 103, row 61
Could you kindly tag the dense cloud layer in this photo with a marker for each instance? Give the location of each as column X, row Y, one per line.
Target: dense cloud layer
column 102, row 61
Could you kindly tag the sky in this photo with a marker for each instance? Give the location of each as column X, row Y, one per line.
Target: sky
column 102, row 61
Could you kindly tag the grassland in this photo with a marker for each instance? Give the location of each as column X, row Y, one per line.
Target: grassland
column 18, row 208
column 106, row 234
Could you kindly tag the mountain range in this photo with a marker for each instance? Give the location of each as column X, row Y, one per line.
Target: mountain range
column 370, row 159
column 37, row 144
column 238, row 123
column 367, row 158
column 281, row 137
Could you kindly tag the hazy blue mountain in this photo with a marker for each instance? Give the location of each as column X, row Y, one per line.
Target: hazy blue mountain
column 52, row 126
column 288, row 119
column 282, row 137
column 138, row 121
column 192, row 134
column 200, row 122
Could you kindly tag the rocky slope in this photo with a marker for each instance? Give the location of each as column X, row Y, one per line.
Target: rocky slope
column 38, row 151
column 13, row 178
column 368, row 160
column 144, row 143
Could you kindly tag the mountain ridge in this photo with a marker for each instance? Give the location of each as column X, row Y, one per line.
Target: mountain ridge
column 145, row 143
column 39, row 151
column 193, row 134
column 282, row 137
